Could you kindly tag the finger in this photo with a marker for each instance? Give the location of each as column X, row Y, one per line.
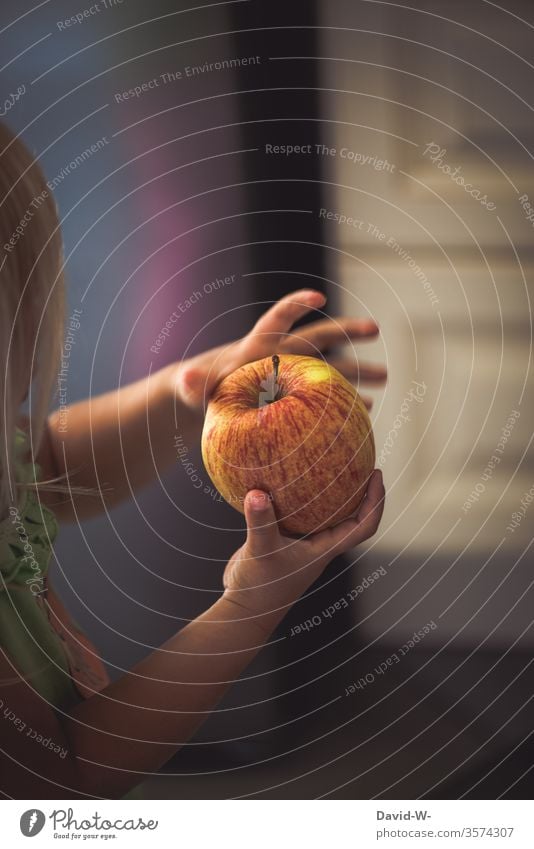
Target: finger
column 262, row 529
column 352, row 532
column 328, row 333
column 270, row 330
column 356, row 371
column 367, row 401
column 191, row 385
column 197, row 378
column 196, row 383
column 372, row 506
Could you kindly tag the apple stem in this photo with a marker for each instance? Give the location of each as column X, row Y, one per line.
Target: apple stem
column 276, row 363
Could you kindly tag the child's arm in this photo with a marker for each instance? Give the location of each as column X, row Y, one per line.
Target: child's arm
column 115, row 443
column 118, row 737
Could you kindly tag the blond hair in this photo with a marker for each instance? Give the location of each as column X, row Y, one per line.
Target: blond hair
column 32, row 300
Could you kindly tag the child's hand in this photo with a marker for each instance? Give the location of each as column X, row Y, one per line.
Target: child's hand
column 197, row 378
column 270, row 571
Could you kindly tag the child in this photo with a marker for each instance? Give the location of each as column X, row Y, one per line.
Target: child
column 65, row 730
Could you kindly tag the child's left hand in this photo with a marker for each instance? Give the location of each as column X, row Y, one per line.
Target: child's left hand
column 271, row 571
column 197, row 378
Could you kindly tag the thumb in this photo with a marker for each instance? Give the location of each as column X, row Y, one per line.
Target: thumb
column 191, row 386
column 262, row 529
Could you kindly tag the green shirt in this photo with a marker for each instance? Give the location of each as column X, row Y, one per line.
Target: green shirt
column 26, row 634
column 58, row 662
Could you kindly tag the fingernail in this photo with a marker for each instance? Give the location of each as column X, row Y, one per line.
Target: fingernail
column 315, row 292
column 186, row 381
column 258, row 502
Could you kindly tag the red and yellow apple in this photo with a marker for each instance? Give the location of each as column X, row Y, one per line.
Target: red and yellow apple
column 304, row 438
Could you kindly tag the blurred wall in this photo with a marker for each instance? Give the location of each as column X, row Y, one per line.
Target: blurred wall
column 152, row 215
column 417, row 100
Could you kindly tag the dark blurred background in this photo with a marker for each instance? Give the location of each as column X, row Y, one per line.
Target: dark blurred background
column 180, row 191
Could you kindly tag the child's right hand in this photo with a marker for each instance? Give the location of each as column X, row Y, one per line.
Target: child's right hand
column 271, row 571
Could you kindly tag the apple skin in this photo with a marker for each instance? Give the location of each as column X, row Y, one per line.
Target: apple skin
column 312, row 448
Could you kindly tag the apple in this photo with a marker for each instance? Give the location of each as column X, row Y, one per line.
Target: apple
column 295, row 428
